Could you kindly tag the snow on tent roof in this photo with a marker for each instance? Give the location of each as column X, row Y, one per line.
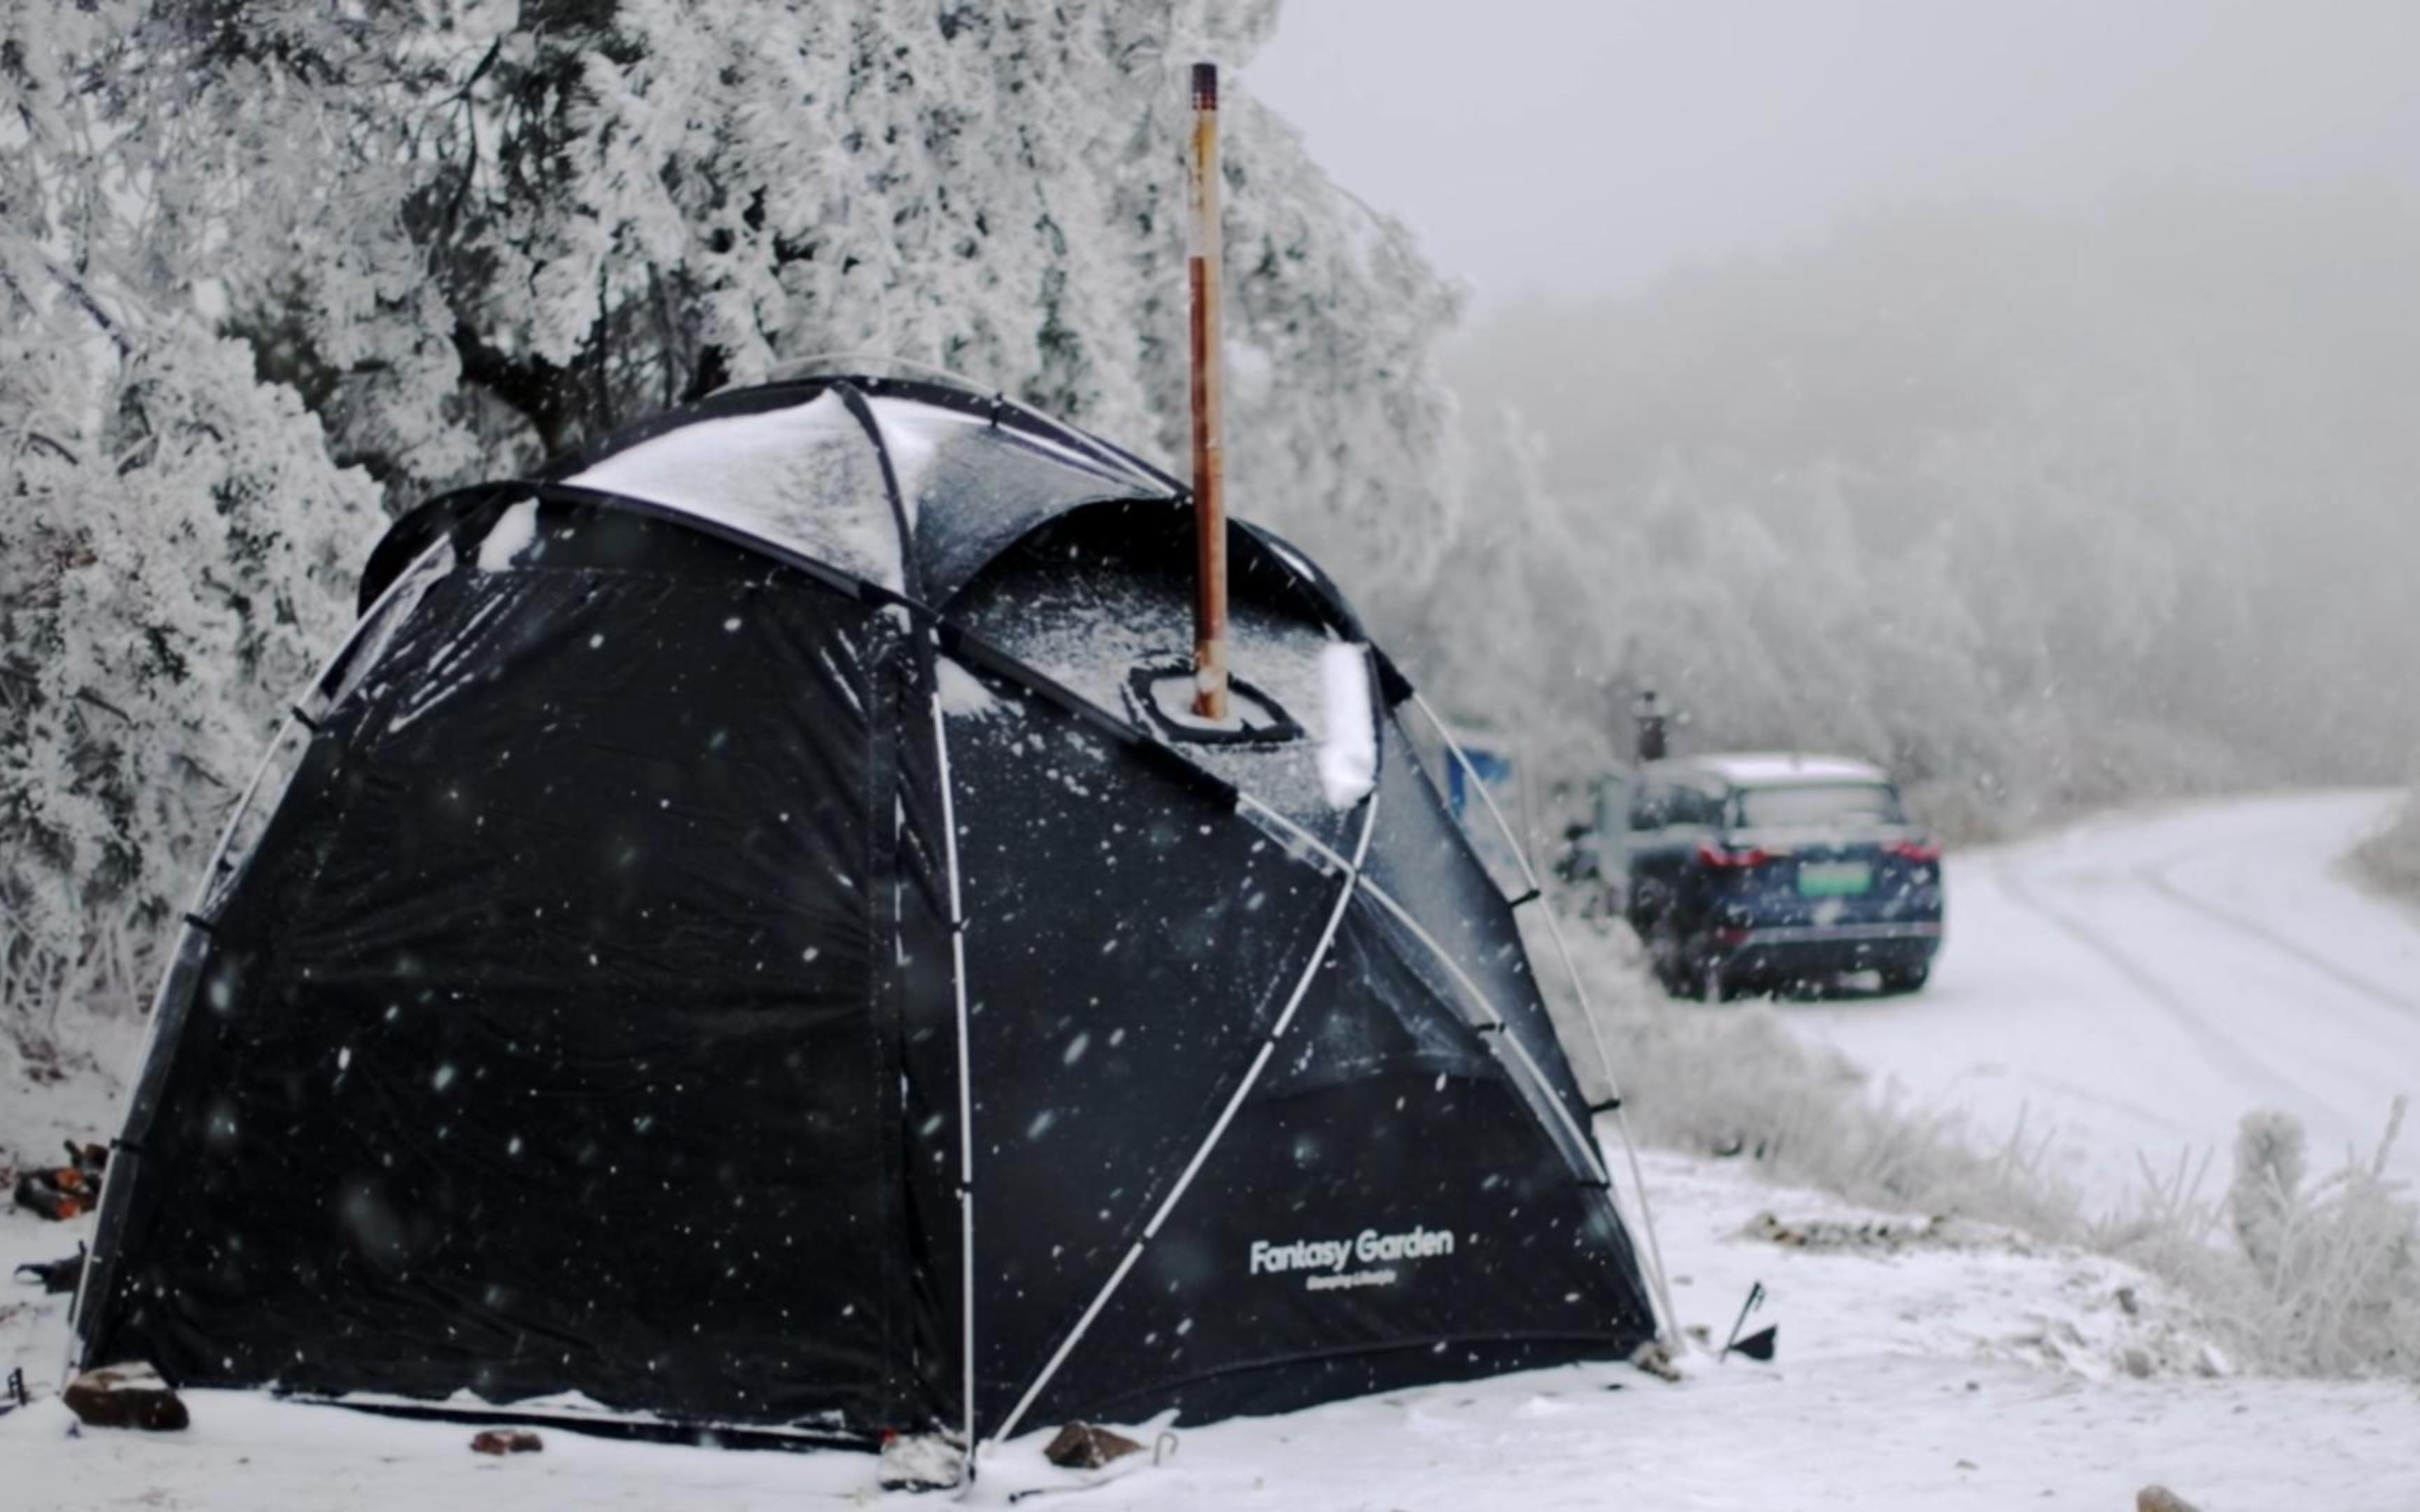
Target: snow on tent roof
column 972, row 486
column 806, row 476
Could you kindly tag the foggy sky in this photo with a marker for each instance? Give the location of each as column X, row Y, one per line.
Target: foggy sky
column 1573, row 148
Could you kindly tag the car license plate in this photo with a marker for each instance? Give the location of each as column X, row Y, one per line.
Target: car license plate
column 1833, row 879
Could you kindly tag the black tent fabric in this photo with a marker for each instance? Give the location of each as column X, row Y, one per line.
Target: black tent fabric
column 727, row 945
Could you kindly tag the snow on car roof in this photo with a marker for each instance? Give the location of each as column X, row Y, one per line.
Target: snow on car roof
column 1769, row 768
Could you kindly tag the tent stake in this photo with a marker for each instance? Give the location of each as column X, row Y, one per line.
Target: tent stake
column 1202, row 266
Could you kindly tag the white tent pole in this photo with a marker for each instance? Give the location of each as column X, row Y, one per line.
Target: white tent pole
column 1588, row 1012
column 966, row 1089
column 1352, row 871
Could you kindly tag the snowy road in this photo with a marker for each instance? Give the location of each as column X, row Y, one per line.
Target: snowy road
column 2137, row 983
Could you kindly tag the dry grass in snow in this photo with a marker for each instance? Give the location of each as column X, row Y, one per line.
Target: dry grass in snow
column 2293, row 1274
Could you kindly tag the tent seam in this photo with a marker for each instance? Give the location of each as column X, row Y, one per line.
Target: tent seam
column 1495, row 1022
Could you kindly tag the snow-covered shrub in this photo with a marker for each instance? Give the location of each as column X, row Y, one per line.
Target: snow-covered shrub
column 2335, row 1264
column 2292, row 1276
column 2391, row 857
column 2269, row 1166
column 174, row 563
column 2299, row 1276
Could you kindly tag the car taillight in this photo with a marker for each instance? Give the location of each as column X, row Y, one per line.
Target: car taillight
column 1710, row 853
column 1914, row 850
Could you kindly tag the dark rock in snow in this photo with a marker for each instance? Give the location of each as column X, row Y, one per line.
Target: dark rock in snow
column 506, row 1441
column 126, row 1397
column 2160, row 1499
column 1082, row 1446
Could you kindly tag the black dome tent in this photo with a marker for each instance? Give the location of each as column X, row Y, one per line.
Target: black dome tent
column 733, row 942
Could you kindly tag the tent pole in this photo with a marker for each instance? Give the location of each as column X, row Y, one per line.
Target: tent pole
column 1202, row 266
column 965, row 1092
column 1218, row 1129
column 1588, row 1012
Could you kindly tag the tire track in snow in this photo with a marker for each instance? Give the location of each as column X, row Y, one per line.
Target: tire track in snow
column 2215, row 1044
column 2159, row 882
column 2141, row 1112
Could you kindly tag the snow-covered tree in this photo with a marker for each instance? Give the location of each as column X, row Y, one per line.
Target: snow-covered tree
column 489, row 232
column 455, row 235
column 173, row 539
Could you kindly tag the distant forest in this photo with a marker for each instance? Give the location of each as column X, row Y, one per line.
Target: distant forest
column 2044, row 509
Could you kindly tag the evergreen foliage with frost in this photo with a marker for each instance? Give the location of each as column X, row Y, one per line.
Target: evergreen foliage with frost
column 494, row 232
column 174, row 538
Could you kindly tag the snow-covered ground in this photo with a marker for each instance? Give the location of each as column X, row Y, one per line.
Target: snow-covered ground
column 2135, row 983
column 2142, row 980
column 1963, row 1369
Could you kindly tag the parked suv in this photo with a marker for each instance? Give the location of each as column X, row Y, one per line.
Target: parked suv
column 1754, row 872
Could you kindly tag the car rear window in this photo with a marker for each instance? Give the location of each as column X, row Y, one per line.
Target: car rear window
column 1802, row 804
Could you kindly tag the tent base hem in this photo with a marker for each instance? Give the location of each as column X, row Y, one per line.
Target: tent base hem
column 1286, row 1384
